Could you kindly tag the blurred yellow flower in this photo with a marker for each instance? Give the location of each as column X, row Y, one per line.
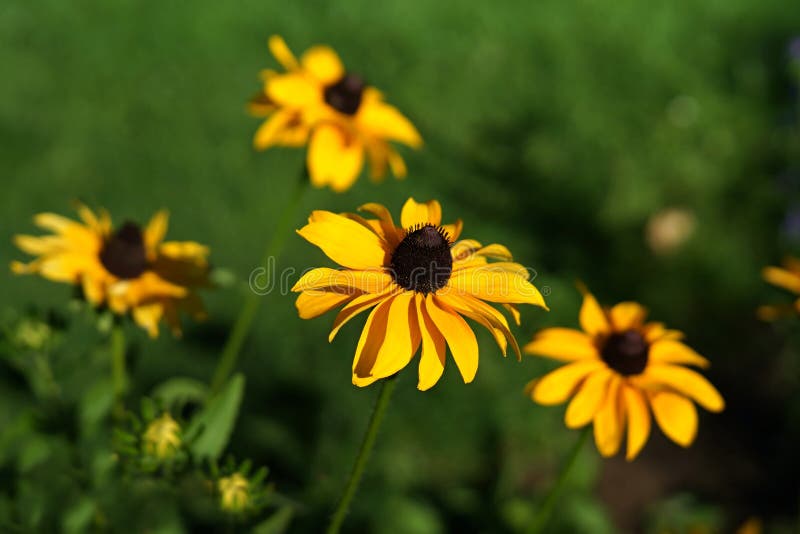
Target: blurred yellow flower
column 618, row 369
column 162, row 438
column 316, row 101
column 786, row 277
column 668, row 229
column 418, row 284
column 127, row 269
column 234, row 493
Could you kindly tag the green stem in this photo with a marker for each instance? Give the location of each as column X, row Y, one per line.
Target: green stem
column 244, row 321
column 546, row 509
column 387, row 387
column 119, row 376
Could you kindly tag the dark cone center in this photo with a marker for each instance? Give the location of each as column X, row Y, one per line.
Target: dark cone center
column 626, row 352
column 345, row 95
column 422, row 261
column 123, row 254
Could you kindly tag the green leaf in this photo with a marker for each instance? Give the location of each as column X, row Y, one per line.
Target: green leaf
column 180, row 390
column 210, row 430
column 277, row 523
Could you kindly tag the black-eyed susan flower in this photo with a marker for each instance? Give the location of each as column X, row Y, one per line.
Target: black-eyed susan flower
column 788, row 278
column 618, row 369
column 128, row 269
column 234, row 493
column 343, row 120
column 162, row 437
column 418, row 282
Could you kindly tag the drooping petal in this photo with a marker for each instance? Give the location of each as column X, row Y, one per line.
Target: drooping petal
column 396, row 163
column 284, row 127
column 559, row 385
column 459, row 336
column 353, row 308
column 610, row 421
column 415, row 213
column 638, row 417
column 386, row 122
column 280, row 51
column 627, row 316
column 675, row 352
column 587, row 401
column 323, row 63
column 334, row 158
column 432, row 360
column 148, row 316
column 490, row 322
column 496, row 284
column 402, row 337
column 314, row 303
column 592, row 317
column 345, row 241
column 562, row 344
column 514, row 311
column 685, row 381
column 676, row 415
column 93, row 289
column 324, row 278
column 369, row 344
column 389, row 231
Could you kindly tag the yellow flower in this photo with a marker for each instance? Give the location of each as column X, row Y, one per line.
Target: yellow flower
column 162, row 438
column 786, row 277
column 316, row 101
column 418, row 284
column 234, row 492
column 619, row 368
column 127, row 269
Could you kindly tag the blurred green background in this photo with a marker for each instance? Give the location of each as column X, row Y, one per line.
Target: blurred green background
column 557, row 128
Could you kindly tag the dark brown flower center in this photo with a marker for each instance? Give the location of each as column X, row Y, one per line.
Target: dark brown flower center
column 626, row 352
column 345, row 95
column 422, row 261
column 123, row 253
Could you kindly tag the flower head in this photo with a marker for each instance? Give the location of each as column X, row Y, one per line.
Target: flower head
column 129, row 269
column 418, row 284
column 234, row 493
column 341, row 117
column 162, row 437
column 786, row 277
column 618, row 369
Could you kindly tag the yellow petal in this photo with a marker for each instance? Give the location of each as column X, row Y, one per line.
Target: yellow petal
column 676, row 415
column 431, row 363
column 66, row 267
column 514, row 311
column 627, row 316
column 345, row 241
column 284, row 127
column 563, row 344
column 334, row 158
column 93, row 290
column 496, row 284
column 557, row 386
column 656, row 331
column 459, row 336
column 387, row 228
column 88, row 217
column 638, row 420
column 369, row 344
column 343, row 281
column 49, row 244
column 782, row 278
column 386, row 122
column 592, row 317
column 396, row 163
column 415, row 213
column 453, row 230
column 148, row 316
column 588, row 399
column 312, row 303
column 357, row 305
column 323, row 63
column 464, row 249
column 402, row 337
column 687, row 382
column 609, row 421
column 459, row 305
column 156, row 230
column 280, row 51
column 294, row 90
column 675, row 352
